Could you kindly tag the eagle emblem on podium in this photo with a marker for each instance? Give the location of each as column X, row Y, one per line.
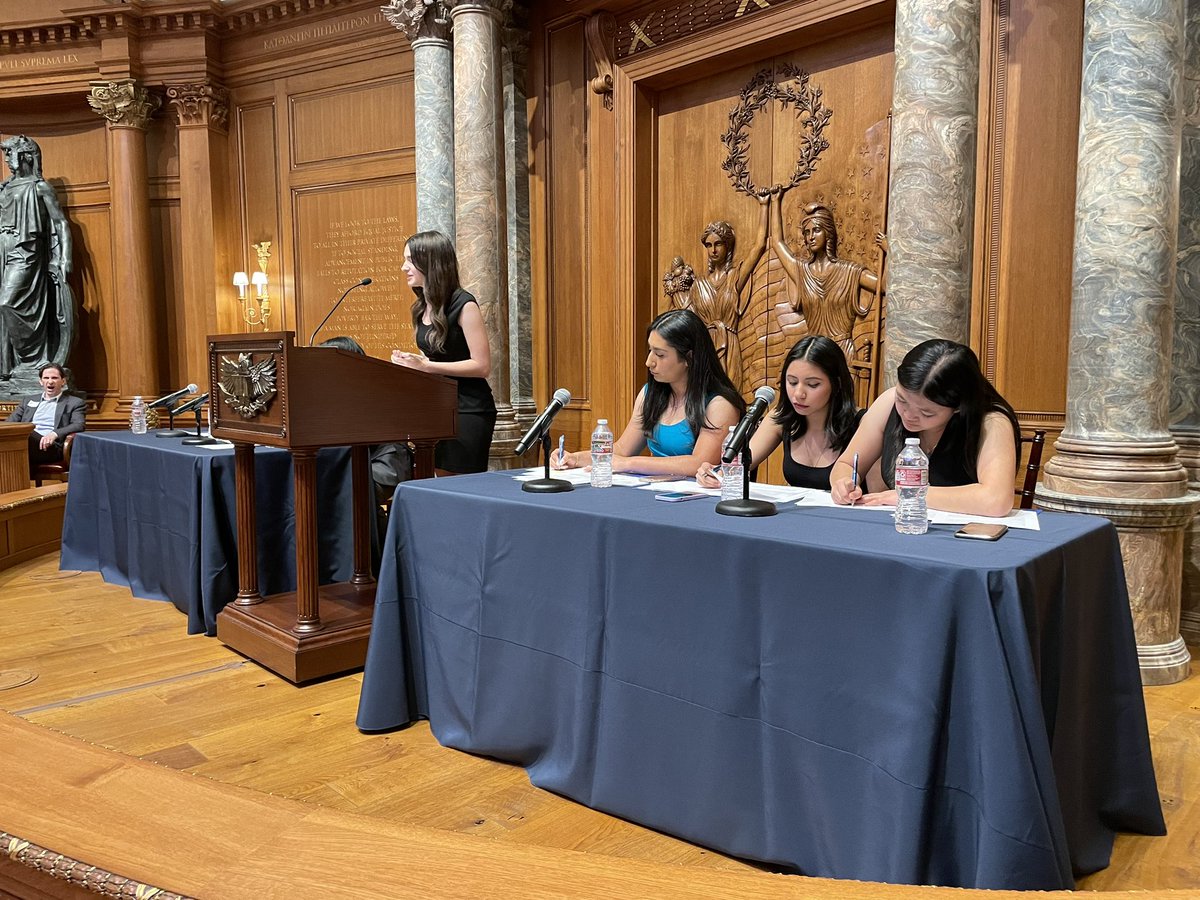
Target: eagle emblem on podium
column 248, row 387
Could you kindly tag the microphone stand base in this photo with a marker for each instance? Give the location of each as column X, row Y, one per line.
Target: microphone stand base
column 197, row 440
column 172, row 432
column 746, row 507
column 547, row 486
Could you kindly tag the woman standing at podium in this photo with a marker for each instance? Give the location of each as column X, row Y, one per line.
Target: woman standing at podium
column 453, row 341
column 683, row 413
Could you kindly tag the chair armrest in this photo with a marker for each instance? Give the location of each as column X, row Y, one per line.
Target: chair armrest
column 67, row 442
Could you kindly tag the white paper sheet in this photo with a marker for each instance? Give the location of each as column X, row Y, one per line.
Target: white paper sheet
column 576, row 476
column 1018, row 518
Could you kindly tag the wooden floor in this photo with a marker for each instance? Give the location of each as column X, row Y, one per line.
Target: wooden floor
column 87, row 659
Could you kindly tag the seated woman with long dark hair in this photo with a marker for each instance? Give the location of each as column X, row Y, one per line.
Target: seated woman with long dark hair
column 683, row 413
column 968, row 431
column 814, row 418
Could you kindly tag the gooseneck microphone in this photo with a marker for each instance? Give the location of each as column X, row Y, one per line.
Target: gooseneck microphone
column 172, row 397
column 561, row 398
column 362, row 283
column 763, row 398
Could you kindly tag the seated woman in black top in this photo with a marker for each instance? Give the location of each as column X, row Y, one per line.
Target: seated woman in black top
column 968, row 431
column 451, row 335
column 814, row 418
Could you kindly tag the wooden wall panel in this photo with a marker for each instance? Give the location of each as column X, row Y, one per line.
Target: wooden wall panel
column 93, row 360
column 167, row 255
column 342, row 234
column 257, row 175
column 352, row 121
column 569, row 298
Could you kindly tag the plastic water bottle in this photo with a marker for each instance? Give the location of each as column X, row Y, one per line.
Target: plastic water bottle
column 731, row 472
column 137, row 416
column 912, row 484
column 602, row 453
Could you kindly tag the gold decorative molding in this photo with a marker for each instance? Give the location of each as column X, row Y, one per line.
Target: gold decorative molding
column 204, row 103
column 80, row 874
column 648, row 27
column 123, row 103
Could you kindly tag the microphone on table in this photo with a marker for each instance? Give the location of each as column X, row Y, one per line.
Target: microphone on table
column 763, row 398
column 561, row 398
column 362, row 283
column 172, row 397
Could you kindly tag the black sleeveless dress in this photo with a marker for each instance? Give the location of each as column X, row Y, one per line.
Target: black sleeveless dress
column 476, row 407
column 816, row 477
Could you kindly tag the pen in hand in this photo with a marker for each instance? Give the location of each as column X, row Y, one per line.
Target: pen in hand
column 562, row 452
column 853, row 477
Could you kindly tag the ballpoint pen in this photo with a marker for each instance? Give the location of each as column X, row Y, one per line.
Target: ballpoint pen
column 562, row 443
column 854, row 475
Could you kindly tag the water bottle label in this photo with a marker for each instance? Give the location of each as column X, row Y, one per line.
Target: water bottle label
column 601, row 447
column 911, row 476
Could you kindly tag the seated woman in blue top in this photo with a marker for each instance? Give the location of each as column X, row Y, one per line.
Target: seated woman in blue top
column 683, row 413
column 968, row 431
column 814, row 418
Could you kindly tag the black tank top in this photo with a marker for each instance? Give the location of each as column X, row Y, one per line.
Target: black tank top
column 947, row 464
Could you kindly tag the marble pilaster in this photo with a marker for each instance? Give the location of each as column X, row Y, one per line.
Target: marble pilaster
column 1185, row 376
column 516, row 168
column 481, row 205
column 1116, row 456
column 427, row 29
column 127, row 107
column 932, row 194
column 202, row 116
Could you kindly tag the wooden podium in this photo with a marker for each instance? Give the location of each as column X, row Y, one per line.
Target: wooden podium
column 266, row 390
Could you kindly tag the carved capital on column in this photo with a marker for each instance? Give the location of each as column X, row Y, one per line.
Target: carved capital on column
column 204, row 103
column 419, row 19
column 124, row 103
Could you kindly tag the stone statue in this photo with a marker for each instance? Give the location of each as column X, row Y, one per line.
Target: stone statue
column 719, row 296
column 824, row 289
column 37, row 310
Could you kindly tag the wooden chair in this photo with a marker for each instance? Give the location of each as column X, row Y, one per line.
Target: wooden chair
column 55, row 471
column 1036, row 442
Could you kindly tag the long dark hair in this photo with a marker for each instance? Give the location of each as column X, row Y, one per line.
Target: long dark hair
column 433, row 254
column 948, row 374
column 686, row 333
column 842, row 417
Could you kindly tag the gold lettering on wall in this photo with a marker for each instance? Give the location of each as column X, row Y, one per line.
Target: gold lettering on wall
column 316, row 32
column 348, row 233
column 39, row 62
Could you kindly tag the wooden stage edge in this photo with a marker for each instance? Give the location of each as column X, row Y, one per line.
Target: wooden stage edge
column 73, row 813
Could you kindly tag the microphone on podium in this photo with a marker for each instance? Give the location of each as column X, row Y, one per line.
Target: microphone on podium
column 561, row 398
column 763, row 398
column 172, row 397
column 362, row 283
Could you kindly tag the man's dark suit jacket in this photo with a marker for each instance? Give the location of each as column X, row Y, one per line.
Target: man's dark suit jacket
column 68, row 421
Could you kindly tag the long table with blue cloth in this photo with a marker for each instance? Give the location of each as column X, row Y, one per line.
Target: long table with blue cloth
column 160, row 517
column 810, row 690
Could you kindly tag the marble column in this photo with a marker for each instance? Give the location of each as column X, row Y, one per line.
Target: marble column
column 433, row 108
column 516, row 168
column 1185, row 376
column 931, row 201
column 127, row 107
column 202, row 116
column 1116, row 456
column 481, row 206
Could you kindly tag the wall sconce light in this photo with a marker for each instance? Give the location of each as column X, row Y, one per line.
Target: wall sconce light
column 256, row 310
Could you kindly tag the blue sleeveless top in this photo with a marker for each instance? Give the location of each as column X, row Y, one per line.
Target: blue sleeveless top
column 672, row 440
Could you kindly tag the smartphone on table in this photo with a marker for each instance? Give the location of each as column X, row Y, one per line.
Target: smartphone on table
column 981, row 531
column 679, row 496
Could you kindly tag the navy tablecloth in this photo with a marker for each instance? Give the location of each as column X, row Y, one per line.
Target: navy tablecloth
column 811, row 690
column 161, row 518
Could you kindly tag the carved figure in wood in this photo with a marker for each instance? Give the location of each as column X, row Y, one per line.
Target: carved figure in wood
column 826, row 290
column 37, row 311
column 719, row 297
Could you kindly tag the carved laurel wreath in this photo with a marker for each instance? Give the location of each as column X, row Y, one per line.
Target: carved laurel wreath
column 790, row 90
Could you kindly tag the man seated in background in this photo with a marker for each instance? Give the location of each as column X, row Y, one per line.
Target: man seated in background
column 54, row 414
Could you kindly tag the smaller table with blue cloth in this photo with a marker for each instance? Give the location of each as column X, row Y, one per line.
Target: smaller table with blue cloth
column 159, row 516
column 812, row 690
